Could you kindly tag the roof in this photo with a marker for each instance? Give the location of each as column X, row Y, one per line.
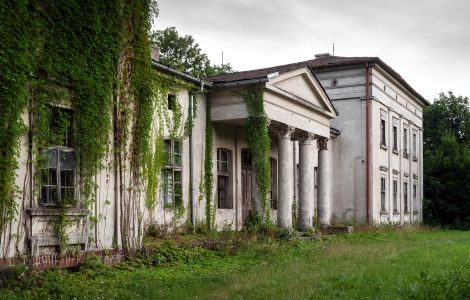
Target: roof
column 316, row 64
column 161, row 67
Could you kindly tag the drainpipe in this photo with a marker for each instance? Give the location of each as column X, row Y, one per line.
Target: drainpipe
column 191, row 167
column 368, row 146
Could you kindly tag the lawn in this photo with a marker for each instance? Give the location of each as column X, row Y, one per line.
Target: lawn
column 379, row 264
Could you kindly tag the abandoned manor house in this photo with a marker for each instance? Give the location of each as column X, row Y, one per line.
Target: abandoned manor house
column 345, row 146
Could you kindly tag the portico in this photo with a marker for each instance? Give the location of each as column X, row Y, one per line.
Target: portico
column 300, row 114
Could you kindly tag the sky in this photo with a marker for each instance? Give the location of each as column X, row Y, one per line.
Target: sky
column 426, row 41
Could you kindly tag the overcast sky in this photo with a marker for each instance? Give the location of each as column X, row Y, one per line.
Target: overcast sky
column 426, row 41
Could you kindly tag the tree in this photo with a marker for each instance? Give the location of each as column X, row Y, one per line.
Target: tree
column 447, row 161
column 184, row 54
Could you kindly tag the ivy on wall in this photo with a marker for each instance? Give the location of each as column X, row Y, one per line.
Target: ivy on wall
column 259, row 142
column 177, row 126
column 15, row 69
column 208, row 166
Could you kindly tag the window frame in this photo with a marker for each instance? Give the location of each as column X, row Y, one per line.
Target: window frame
column 395, row 195
column 174, row 196
column 228, row 177
column 171, row 101
column 415, row 144
column 406, row 207
column 383, row 129
column 383, row 194
column 395, row 133
column 405, row 141
column 68, row 146
column 273, row 193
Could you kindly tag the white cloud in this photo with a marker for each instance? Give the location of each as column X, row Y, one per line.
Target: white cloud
column 426, row 41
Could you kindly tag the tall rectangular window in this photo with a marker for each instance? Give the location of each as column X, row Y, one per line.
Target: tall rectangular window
column 405, row 197
column 383, row 128
column 405, row 142
column 395, row 196
column 383, row 194
column 171, row 101
column 395, row 138
column 415, row 196
column 57, row 161
column 172, row 173
column 415, row 144
column 382, row 133
column 273, row 186
column 224, row 179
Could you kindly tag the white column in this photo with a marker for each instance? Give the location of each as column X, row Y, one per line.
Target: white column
column 324, row 194
column 285, row 185
column 306, row 182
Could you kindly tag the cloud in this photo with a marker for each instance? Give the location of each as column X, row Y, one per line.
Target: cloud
column 426, row 41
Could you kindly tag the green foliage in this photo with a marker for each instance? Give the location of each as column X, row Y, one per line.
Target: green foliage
column 378, row 265
column 259, row 143
column 158, row 117
column 208, row 166
column 15, row 68
column 447, row 161
column 453, row 284
column 183, row 53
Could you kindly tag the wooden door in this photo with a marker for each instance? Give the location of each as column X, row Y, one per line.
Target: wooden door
column 247, row 184
column 247, row 193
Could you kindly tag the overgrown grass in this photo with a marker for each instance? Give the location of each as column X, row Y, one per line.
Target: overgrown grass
column 373, row 264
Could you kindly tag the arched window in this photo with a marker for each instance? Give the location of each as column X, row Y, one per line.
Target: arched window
column 224, row 179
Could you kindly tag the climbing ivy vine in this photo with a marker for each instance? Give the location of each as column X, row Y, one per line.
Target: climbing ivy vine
column 177, row 128
column 15, row 69
column 259, row 142
column 208, row 166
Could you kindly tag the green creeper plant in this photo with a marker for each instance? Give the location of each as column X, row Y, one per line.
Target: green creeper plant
column 259, row 143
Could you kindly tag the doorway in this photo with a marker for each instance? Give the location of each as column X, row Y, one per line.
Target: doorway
column 247, row 183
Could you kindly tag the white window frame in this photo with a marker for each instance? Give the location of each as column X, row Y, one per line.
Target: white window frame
column 172, row 173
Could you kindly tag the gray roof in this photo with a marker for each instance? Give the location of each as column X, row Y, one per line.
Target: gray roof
column 320, row 63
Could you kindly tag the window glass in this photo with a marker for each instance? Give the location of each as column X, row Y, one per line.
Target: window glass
column 177, row 153
column 382, row 194
column 395, row 138
column 57, row 162
column 383, row 133
column 405, row 196
column 167, row 152
column 224, row 179
column 395, row 196
column 273, row 186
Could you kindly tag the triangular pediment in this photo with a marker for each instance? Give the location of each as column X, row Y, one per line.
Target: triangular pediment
column 302, row 84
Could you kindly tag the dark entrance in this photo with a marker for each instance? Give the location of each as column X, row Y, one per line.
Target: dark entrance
column 247, row 183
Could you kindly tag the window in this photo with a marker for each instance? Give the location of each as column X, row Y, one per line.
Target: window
column 57, row 162
column 172, row 183
column 382, row 194
column 395, row 196
column 224, row 179
column 405, row 142
column 405, row 197
column 383, row 128
column 395, row 138
column 415, row 198
column 273, row 187
column 382, row 133
column 315, row 182
column 415, row 153
column 171, row 101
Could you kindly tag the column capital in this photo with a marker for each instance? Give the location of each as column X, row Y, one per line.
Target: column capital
column 306, row 138
column 322, row 144
column 285, row 131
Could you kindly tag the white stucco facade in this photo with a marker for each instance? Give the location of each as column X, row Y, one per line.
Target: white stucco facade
column 318, row 156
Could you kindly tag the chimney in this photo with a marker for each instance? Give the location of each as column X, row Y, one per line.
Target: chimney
column 155, row 52
column 321, row 55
